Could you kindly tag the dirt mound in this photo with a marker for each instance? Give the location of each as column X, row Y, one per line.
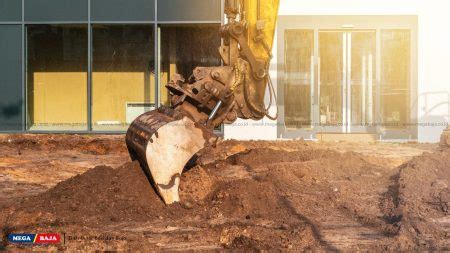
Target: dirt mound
column 104, row 196
column 423, row 201
column 99, row 196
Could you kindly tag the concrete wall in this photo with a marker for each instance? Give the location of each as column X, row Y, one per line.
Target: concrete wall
column 433, row 58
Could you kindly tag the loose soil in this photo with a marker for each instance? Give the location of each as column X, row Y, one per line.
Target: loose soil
column 288, row 195
column 445, row 138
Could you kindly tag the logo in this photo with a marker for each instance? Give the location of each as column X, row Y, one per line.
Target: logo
column 21, row 238
column 34, row 238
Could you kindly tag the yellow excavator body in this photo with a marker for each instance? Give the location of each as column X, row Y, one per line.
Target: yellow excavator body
column 261, row 19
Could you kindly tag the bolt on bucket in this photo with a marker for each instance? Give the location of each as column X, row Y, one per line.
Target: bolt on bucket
column 163, row 141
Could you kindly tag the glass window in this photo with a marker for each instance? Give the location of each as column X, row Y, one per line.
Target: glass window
column 362, row 76
column 192, row 10
column 123, row 78
column 299, row 64
column 332, row 58
column 57, row 77
column 395, row 77
column 11, row 100
column 122, row 10
column 184, row 47
column 10, row 10
column 56, row 10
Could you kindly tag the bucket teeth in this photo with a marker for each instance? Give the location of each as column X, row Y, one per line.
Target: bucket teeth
column 163, row 145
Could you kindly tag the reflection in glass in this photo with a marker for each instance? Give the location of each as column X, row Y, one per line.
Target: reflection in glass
column 331, row 77
column 362, row 76
column 57, row 77
column 395, row 77
column 184, row 47
column 123, row 80
column 299, row 50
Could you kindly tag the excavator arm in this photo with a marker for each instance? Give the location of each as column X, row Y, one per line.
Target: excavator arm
column 164, row 140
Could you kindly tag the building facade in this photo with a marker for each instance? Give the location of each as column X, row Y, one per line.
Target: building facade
column 82, row 66
column 363, row 69
column 360, row 69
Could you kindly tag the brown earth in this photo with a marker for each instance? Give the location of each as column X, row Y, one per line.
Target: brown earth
column 288, row 195
column 445, row 138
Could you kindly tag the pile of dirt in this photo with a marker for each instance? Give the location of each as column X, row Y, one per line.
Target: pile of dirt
column 422, row 201
column 104, row 196
column 99, row 196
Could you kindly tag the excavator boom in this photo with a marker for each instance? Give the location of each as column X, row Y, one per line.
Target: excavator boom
column 261, row 20
column 164, row 140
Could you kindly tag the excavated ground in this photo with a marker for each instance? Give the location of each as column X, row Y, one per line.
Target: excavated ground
column 288, row 195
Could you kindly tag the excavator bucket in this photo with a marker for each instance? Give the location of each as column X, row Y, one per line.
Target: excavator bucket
column 164, row 141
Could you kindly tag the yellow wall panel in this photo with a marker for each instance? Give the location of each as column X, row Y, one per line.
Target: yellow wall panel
column 60, row 97
column 111, row 91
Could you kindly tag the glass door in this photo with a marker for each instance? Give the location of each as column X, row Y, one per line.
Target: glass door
column 297, row 94
column 361, row 81
column 347, row 74
column 332, row 77
column 346, row 80
column 299, row 86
